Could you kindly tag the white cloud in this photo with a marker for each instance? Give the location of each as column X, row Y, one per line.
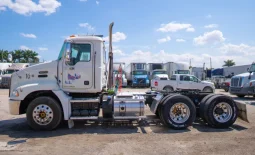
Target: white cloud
column 209, row 38
column 97, row 2
column 162, row 40
column 209, row 16
column 23, row 47
column 28, row 35
column 191, row 29
column 43, row 49
column 116, row 37
column 2, row 8
column 241, row 50
column 27, row 7
column 174, row 27
column 211, row 26
column 180, row 40
column 86, row 25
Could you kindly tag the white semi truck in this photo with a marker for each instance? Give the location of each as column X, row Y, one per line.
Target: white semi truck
column 78, row 86
column 243, row 84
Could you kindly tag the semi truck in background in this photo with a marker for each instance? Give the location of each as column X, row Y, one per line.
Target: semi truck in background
column 176, row 68
column 119, row 74
column 6, row 74
column 155, row 70
column 137, row 75
column 243, row 84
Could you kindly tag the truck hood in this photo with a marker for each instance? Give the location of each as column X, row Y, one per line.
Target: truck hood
column 244, row 75
column 47, row 72
column 207, row 82
column 7, row 75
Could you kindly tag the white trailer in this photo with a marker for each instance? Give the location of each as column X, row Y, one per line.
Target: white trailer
column 198, row 72
column 235, row 70
column 176, row 68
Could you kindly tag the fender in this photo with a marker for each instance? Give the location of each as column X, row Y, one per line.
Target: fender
column 24, row 90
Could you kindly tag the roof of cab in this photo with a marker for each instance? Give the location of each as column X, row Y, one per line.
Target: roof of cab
column 85, row 38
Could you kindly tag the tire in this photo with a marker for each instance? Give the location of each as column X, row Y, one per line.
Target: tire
column 202, row 105
column 208, row 90
column 54, row 107
column 167, row 106
column 160, row 106
column 211, row 108
column 241, row 96
column 168, row 89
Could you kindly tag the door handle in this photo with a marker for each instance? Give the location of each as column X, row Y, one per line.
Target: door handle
column 71, row 68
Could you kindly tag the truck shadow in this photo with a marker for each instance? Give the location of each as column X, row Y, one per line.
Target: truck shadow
column 18, row 128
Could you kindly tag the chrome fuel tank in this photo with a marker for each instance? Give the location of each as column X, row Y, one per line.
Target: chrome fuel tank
column 128, row 105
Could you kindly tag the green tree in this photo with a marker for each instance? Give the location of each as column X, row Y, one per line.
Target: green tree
column 229, row 63
column 30, row 56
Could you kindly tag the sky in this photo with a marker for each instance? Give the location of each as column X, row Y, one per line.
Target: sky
column 144, row 30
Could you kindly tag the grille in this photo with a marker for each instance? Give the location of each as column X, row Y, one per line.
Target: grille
column 236, row 82
column 141, row 81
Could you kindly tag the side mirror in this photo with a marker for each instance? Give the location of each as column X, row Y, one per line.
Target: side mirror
column 67, row 57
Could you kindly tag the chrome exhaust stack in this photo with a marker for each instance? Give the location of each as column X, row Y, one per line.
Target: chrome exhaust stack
column 110, row 76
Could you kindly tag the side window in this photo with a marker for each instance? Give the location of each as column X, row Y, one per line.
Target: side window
column 192, row 78
column 173, row 77
column 80, row 52
column 186, row 78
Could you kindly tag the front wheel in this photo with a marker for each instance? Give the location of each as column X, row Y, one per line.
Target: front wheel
column 168, row 89
column 44, row 113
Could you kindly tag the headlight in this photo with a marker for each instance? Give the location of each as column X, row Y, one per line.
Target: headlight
column 15, row 93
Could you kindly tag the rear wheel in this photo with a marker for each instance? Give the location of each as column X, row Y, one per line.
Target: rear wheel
column 178, row 112
column 44, row 113
column 202, row 104
column 168, row 89
column 221, row 111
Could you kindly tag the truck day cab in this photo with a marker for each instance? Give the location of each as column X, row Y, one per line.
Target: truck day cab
column 182, row 82
column 73, row 87
column 243, row 84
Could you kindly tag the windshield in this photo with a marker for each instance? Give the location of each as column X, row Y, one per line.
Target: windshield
column 252, row 69
column 10, row 71
column 139, row 73
column 182, row 72
column 159, row 72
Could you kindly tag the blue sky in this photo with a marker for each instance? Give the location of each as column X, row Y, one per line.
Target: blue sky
column 151, row 31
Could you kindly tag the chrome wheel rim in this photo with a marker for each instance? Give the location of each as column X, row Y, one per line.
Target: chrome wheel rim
column 179, row 112
column 222, row 112
column 42, row 114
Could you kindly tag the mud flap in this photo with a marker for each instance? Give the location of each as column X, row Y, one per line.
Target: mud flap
column 242, row 111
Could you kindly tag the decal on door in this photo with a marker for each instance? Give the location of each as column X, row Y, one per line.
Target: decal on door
column 72, row 78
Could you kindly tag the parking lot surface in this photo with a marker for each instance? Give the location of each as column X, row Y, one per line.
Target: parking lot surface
column 126, row 138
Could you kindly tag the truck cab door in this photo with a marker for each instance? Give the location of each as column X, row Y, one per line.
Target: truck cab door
column 78, row 66
column 184, row 82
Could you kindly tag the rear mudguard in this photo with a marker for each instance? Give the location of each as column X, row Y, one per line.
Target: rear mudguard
column 242, row 111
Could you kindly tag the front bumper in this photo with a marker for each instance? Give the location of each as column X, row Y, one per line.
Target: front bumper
column 242, row 90
column 14, row 107
column 140, row 84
